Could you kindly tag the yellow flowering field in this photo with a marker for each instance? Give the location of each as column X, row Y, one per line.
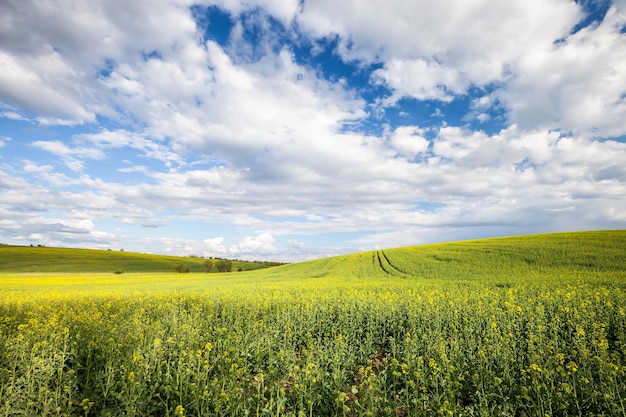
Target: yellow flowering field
column 532, row 326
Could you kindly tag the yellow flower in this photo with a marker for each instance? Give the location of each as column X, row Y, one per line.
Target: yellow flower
column 572, row 367
column 560, row 357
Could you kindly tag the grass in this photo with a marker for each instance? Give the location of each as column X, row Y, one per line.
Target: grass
column 37, row 259
column 499, row 260
column 520, row 326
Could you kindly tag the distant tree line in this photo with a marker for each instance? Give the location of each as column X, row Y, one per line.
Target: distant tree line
column 221, row 265
column 266, row 263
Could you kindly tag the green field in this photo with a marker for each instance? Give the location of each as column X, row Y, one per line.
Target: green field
column 44, row 259
column 520, row 326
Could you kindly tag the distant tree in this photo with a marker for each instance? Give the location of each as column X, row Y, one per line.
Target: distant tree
column 182, row 268
column 208, row 265
column 224, row 265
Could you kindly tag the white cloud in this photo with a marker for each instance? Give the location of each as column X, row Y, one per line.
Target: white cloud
column 262, row 244
column 409, row 141
column 478, row 39
column 576, row 85
column 420, row 79
column 13, row 115
column 42, row 84
column 248, row 247
column 214, row 247
column 51, row 231
column 483, row 117
column 137, row 168
column 60, row 149
column 113, row 139
column 71, row 157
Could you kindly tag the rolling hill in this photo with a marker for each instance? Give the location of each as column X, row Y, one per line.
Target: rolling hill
column 495, row 259
column 32, row 259
column 505, row 258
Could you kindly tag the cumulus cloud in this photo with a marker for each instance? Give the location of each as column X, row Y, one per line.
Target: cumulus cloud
column 248, row 247
column 409, row 141
column 214, row 247
column 262, row 244
column 575, row 85
column 421, row 79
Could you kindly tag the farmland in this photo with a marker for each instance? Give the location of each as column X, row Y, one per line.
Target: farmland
column 41, row 259
column 520, row 326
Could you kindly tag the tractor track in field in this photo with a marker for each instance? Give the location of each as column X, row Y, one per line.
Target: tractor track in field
column 395, row 268
column 380, row 263
column 386, row 265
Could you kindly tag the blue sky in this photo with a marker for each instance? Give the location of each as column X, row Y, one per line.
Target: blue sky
column 292, row 130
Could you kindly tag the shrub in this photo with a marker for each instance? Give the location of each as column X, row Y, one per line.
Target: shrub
column 224, row 265
column 208, row 265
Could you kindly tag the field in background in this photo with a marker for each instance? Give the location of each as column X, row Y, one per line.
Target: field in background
column 531, row 325
column 41, row 259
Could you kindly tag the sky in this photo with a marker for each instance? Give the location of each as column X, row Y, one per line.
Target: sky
column 297, row 129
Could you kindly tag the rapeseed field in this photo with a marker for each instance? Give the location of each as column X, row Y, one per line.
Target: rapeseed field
column 525, row 326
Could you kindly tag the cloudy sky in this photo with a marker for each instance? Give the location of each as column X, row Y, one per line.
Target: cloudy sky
column 296, row 129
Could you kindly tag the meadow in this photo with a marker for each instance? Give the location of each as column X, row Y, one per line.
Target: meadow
column 520, row 326
column 41, row 259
